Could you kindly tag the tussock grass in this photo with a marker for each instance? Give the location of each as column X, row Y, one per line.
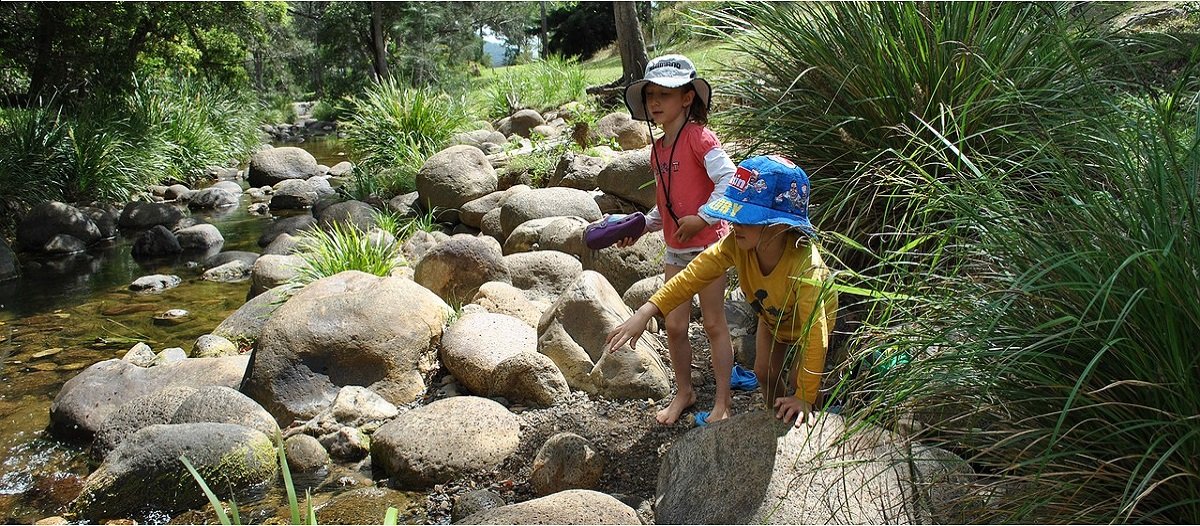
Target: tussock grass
column 342, row 248
column 542, row 85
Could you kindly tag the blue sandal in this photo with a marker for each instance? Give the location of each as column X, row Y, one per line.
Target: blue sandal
column 702, row 418
column 742, row 379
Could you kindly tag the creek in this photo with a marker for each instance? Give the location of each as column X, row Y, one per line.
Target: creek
column 62, row 316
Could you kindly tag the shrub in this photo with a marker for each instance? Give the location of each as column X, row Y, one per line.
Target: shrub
column 342, row 248
column 393, row 130
column 542, row 85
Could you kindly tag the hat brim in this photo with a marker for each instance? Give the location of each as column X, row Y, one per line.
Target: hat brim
column 740, row 213
column 637, row 106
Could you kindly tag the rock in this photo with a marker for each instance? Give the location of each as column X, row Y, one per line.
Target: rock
column 210, row 198
column 305, row 454
column 611, row 204
column 86, row 400
column 546, row 131
column 419, row 244
column 347, row 443
column 320, row 185
column 140, row 355
column 455, row 269
column 141, row 216
column 145, row 472
column 753, row 468
column 475, row 344
column 573, row 332
column 293, row 194
column 521, row 123
column 577, row 506
column 577, row 171
column 49, row 219
column 353, row 214
column 228, row 186
column 490, row 225
column 476, row 138
column 292, row 225
column 271, row 271
column 246, row 323
column 640, row 292
column 169, row 356
column 369, row 505
column 269, row 167
column 9, row 267
column 405, row 205
column 200, row 237
column 530, row 379
column 155, row 283
column 224, row 405
column 231, row 255
column 359, row 407
column 179, row 192
column 566, row 461
column 546, row 202
column 158, row 241
column 172, row 317
column 130, row 417
column 63, row 244
column 259, row 209
column 231, row 272
column 526, row 236
column 630, row 134
column 473, row 502
column 472, row 212
column 564, row 235
column 473, row 435
column 743, row 330
column 283, row 245
column 106, row 222
column 211, row 346
column 453, row 177
column 348, row 329
column 342, row 169
column 629, row 177
column 501, row 298
column 626, row 266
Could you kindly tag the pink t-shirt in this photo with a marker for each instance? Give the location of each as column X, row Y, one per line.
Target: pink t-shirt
column 688, row 184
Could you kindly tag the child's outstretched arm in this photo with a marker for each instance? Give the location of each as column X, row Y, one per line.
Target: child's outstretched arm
column 631, row 329
column 818, row 309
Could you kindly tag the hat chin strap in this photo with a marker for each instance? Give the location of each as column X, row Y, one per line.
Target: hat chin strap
column 670, row 159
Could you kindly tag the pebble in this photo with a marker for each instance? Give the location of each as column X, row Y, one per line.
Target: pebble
column 47, row 352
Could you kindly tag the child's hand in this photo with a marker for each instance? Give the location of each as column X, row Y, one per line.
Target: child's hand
column 688, row 227
column 632, row 328
column 631, row 240
column 789, row 407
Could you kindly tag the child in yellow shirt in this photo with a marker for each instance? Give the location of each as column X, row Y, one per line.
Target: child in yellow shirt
column 779, row 269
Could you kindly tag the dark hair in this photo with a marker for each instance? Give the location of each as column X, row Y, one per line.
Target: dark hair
column 699, row 111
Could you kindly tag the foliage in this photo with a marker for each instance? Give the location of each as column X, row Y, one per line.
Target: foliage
column 543, row 85
column 405, row 227
column 342, row 248
column 581, row 29
column 394, row 129
column 539, row 164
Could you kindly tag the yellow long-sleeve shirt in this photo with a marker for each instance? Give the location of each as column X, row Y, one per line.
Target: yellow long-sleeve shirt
column 799, row 313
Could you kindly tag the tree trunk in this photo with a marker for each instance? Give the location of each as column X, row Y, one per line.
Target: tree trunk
column 630, row 42
column 378, row 41
column 39, row 73
column 545, row 40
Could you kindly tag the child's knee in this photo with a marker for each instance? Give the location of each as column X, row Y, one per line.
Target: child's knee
column 716, row 329
column 677, row 326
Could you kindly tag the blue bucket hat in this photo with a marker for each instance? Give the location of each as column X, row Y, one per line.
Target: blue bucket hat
column 765, row 190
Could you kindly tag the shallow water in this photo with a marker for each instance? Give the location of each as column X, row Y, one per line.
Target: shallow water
column 63, row 316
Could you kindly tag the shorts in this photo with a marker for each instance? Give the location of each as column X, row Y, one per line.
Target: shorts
column 681, row 257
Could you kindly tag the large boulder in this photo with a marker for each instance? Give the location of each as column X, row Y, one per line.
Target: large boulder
column 105, row 220
column 630, row 134
column 352, row 214
column 527, row 235
column 146, row 410
column 351, row 328
column 521, row 123
column 138, row 215
column 453, row 177
column 211, row 197
column 577, row 171
column 227, row 256
column 158, row 241
column 566, row 461
column 471, row 213
column 51, row 218
column 87, row 400
column 477, row 344
column 630, row 178
column 221, row 404
column 501, row 298
column 416, row 246
column 144, row 473
column 546, row 202
column 9, row 267
column 271, row 271
column 565, row 235
column 204, row 237
column 269, row 167
column 455, row 268
column 573, row 334
column 576, row 506
column 754, row 469
column 476, row 138
column 64, row 244
column 294, row 225
column 293, row 194
column 246, row 323
column 625, row 266
column 472, row 435
column 543, row 274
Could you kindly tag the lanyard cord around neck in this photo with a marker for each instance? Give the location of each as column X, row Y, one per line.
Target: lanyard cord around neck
column 665, row 181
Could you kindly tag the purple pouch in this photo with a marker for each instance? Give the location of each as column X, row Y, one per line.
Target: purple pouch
column 605, row 232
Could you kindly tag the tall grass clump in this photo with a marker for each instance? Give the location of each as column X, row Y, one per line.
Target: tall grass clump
column 1061, row 362
column 843, row 87
column 342, row 248
column 393, row 129
column 542, row 85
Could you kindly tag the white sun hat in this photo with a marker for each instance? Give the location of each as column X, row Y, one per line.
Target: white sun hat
column 668, row 71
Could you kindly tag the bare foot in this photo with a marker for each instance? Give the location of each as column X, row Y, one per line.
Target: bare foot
column 719, row 412
column 670, row 414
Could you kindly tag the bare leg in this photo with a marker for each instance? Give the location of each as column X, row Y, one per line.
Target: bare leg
column 768, row 363
column 712, row 309
column 681, row 358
